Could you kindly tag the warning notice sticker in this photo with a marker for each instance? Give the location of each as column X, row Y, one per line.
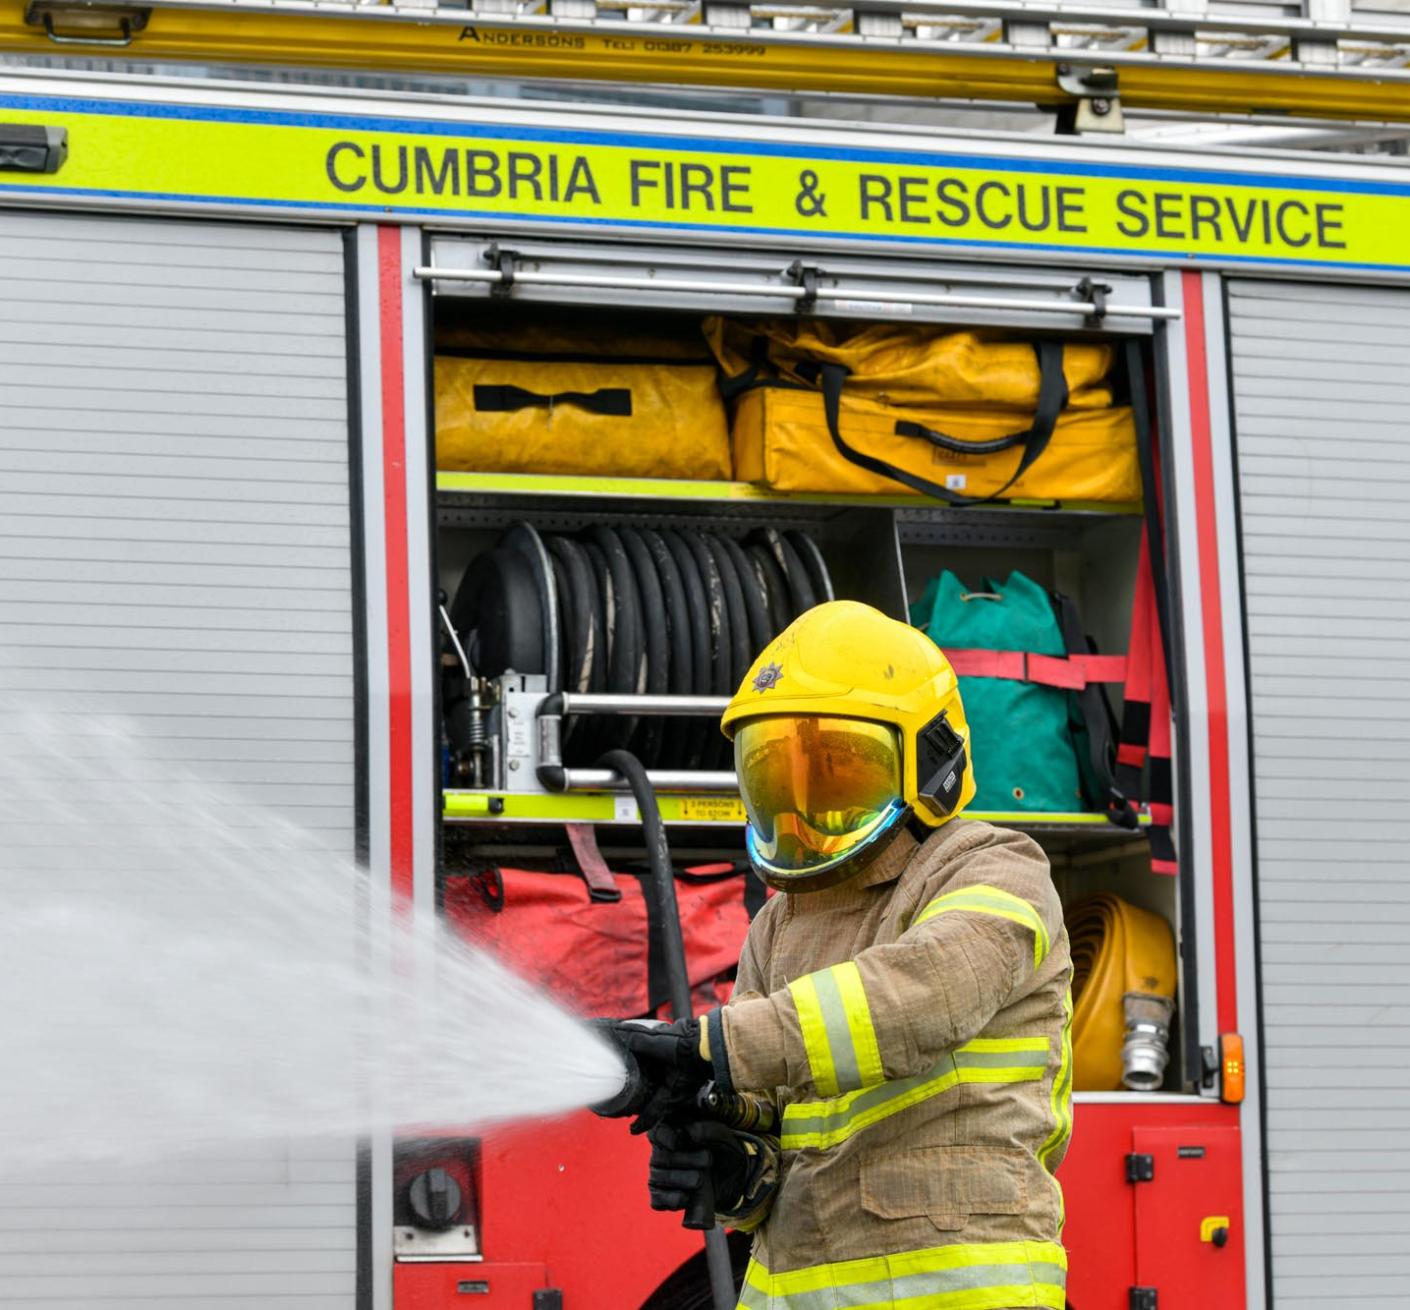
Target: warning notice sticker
column 173, row 155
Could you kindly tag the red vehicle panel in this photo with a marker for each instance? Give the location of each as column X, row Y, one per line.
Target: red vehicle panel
column 1121, row 1234
column 571, row 1193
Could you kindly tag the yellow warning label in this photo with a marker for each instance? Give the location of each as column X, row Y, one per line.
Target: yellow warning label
column 709, row 809
column 379, row 167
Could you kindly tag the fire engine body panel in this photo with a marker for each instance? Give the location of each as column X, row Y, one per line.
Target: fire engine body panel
column 1267, row 295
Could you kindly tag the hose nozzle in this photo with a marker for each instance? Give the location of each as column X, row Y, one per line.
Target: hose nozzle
column 1145, row 1053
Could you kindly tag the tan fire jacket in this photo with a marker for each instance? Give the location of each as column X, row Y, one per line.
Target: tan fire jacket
column 913, row 1028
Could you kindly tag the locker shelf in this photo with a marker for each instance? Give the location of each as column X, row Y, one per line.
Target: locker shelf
column 456, row 487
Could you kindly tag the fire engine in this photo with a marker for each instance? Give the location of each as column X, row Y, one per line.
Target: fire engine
column 237, row 234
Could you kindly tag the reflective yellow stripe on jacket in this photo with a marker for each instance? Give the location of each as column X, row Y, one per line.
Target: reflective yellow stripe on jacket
column 983, row 899
column 965, row 1276
column 820, row 1124
column 837, row 1029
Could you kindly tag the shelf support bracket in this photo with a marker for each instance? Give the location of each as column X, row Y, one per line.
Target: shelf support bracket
column 1096, row 99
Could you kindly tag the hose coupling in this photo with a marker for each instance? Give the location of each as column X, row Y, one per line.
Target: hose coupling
column 1145, row 1052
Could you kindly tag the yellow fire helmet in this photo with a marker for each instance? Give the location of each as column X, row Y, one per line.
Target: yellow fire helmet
column 847, row 724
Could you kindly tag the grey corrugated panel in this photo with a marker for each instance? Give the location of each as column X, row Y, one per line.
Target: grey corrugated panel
column 1372, row 373
column 146, row 595
column 1308, row 1254
column 172, row 341
column 1352, row 1130
column 179, row 532
column 168, row 505
column 33, row 567
column 218, row 555
column 177, row 1286
column 229, row 404
column 1320, row 393
column 137, row 368
column 230, row 285
column 111, row 1265
column 1340, row 904
column 1324, row 569
column 308, row 327
column 194, row 428
column 1351, row 1234
column 1316, row 410
column 1308, row 504
column 178, row 258
column 176, row 642
column 214, row 458
column 1359, row 344
column 126, row 385
column 61, row 1241
column 1269, row 439
column 1378, row 1187
column 326, row 659
column 1388, row 787
column 1330, row 491
column 1387, row 927
column 114, row 240
column 173, row 477
column 1355, row 1099
column 218, row 1297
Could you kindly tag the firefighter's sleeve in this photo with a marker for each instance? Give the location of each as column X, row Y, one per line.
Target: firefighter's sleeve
column 892, row 1010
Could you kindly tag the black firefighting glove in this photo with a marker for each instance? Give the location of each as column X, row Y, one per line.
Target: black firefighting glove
column 688, row 1158
column 669, row 1059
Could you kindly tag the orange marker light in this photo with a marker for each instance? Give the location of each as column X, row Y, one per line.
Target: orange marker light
column 1231, row 1062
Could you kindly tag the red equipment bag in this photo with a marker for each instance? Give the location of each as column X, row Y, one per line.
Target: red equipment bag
column 597, row 955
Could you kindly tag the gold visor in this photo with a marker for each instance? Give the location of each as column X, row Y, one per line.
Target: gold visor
column 815, row 788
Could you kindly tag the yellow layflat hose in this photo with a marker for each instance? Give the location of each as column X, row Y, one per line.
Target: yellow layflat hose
column 1116, row 948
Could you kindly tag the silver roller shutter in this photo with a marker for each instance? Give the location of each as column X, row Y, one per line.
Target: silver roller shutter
column 1321, row 384
column 175, row 546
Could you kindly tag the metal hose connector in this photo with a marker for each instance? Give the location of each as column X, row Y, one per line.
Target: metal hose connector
column 1145, row 1052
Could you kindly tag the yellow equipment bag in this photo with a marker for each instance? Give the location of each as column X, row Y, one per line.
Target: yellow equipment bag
column 956, row 415
column 573, row 403
column 1118, row 951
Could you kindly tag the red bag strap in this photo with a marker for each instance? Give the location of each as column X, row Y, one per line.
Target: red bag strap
column 1069, row 673
column 602, row 886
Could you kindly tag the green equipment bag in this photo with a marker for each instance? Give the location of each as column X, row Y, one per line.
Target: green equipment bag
column 1040, row 730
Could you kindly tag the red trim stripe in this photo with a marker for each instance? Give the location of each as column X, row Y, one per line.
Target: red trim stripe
column 1216, row 687
column 389, row 287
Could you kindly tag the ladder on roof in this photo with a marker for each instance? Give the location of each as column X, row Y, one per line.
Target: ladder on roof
column 1337, row 59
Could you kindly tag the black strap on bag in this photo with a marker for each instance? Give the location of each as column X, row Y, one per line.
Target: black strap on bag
column 611, row 402
column 1097, row 716
column 1052, row 397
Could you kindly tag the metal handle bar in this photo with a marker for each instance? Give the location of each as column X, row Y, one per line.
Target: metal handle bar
column 493, row 277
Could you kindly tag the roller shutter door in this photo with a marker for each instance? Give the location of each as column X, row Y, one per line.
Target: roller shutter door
column 175, row 546
column 1321, row 385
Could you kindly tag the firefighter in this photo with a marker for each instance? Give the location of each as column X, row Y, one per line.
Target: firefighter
column 904, row 1003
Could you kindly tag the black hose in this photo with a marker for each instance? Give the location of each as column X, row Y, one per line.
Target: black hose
column 663, row 878
column 662, row 882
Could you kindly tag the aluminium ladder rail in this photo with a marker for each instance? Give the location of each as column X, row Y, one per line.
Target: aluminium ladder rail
column 1331, row 62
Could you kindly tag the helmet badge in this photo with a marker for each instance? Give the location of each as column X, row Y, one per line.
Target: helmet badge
column 768, row 677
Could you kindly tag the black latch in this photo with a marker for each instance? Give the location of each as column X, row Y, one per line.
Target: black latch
column 1140, row 1169
column 805, row 276
column 548, row 1298
column 1094, row 294
column 505, row 262
column 1142, row 1298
